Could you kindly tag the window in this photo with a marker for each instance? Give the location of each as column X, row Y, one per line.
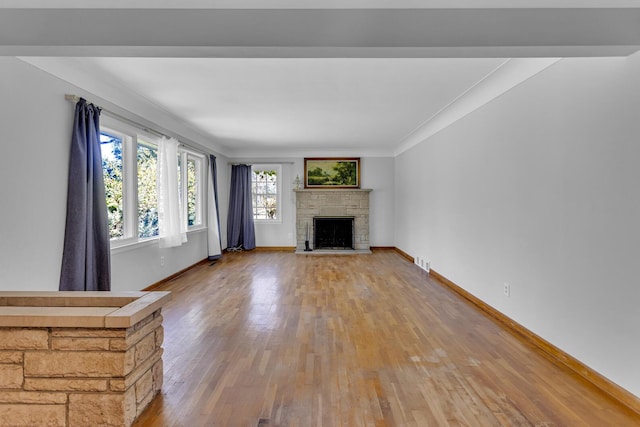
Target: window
column 192, row 186
column 112, row 171
column 265, row 185
column 194, row 190
column 147, row 158
column 129, row 165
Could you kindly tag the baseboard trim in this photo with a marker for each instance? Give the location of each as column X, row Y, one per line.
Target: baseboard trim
column 555, row 354
column 404, row 255
column 174, row 275
column 275, row 249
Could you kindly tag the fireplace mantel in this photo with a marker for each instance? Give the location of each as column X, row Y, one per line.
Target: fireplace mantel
column 333, row 202
column 332, row 190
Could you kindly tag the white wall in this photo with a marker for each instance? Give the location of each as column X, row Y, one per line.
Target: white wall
column 378, row 174
column 36, row 122
column 36, row 126
column 138, row 267
column 540, row 189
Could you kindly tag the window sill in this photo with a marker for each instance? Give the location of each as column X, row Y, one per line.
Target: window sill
column 127, row 246
column 266, row 221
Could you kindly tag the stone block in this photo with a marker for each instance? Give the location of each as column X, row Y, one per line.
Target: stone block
column 122, row 384
column 159, row 336
column 332, row 211
column 20, row 415
column 145, row 348
column 144, row 386
column 33, row 397
column 74, row 364
column 129, row 360
column 142, row 405
column 117, row 384
column 158, row 376
column 137, row 335
column 118, row 344
column 80, row 344
column 11, row 376
column 24, row 339
column 15, row 357
column 64, row 384
column 88, row 333
column 104, row 409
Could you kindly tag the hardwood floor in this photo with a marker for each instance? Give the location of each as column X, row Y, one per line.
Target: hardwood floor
column 278, row 339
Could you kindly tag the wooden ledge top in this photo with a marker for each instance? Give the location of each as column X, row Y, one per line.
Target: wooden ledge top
column 78, row 309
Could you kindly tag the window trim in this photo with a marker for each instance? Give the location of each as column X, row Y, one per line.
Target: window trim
column 201, row 167
column 278, row 168
column 148, row 141
column 129, row 198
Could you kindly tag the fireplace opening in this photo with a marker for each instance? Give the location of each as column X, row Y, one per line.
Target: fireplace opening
column 333, row 233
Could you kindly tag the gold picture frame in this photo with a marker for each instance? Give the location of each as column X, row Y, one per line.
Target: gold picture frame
column 332, row 172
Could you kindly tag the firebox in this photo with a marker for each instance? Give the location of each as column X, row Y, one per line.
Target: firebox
column 333, row 232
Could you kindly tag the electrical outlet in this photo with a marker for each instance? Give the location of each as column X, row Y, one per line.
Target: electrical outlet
column 507, row 289
column 161, row 261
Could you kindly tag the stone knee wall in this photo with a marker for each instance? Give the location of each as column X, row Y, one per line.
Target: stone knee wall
column 79, row 376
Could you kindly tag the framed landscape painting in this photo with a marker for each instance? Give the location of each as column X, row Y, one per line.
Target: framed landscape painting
column 332, row 172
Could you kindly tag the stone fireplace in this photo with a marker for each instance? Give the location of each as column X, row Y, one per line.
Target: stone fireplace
column 315, row 204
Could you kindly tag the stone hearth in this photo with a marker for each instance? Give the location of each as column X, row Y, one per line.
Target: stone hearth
column 312, row 203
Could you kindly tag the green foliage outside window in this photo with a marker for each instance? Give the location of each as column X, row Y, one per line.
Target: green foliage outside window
column 147, row 191
column 112, row 173
column 192, row 193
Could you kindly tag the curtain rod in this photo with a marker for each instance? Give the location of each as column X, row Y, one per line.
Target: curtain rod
column 76, row 98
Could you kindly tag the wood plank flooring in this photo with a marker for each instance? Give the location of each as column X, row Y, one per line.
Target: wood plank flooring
column 278, row 339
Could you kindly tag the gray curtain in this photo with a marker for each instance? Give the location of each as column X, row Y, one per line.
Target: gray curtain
column 86, row 253
column 240, row 230
column 215, row 241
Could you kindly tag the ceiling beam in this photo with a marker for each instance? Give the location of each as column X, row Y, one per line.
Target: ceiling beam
column 351, row 33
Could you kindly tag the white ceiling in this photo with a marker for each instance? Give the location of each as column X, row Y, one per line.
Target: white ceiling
column 274, row 81
column 301, row 104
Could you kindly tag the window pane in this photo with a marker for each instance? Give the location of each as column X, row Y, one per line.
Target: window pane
column 270, row 206
column 111, row 149
column 147, row 191
column 192, row 193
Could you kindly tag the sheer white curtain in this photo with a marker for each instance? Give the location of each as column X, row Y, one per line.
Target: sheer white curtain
column 171, row 221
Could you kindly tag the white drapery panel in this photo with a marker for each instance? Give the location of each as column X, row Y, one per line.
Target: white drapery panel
column 171, row 221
